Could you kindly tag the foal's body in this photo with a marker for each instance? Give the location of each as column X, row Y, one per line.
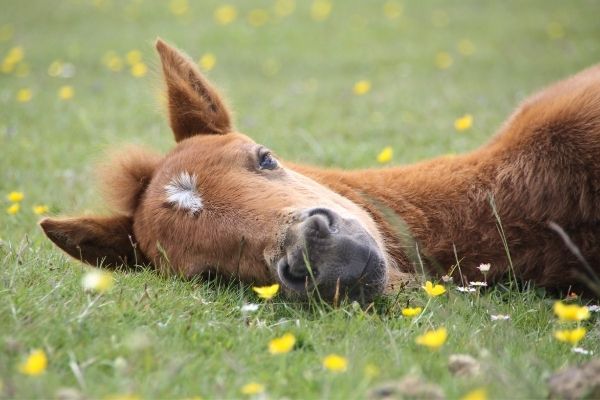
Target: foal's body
column 221, row 202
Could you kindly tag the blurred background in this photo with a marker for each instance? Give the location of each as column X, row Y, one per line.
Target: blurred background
column 326, row 82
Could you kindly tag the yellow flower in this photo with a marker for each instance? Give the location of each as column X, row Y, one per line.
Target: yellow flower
column 433, row 290
column 284, row 8
column 267, row 292
column 225, row 14
column 571, row 312
column 66, row 92
column 252, row 388
column 443, row 60
column 115, row 64
column 466, row 47
column 433, row 339
column 385, row 155
column 12, row 58
column 35, row 364
column 40, row 209
column 101, row 4
column 133, row 57
column 139, row 70
column 14, row 55
column 7, row 67
column 463, row 123
column 555, row 30
column 371, row 370
column 98, row 281
column 476, row 394
column 112, row 61
column 361, row 87
column 411, row 311
column 258, row 17
column 320, row 10
column 179, row 7
column 572, row 336
column 335, row 363
column 15, row 197
column 24, row 95
column 283, row 344
column 126, row 396
column 13, row 209
column 392, row 10
column 55, row 68
column 207, row 61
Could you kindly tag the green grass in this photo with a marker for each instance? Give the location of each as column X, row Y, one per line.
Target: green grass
column 290, row 82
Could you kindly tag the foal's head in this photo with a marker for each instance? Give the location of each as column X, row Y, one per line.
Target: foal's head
column 221, row 203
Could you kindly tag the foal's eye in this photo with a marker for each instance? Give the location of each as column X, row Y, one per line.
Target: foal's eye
column 267, row 161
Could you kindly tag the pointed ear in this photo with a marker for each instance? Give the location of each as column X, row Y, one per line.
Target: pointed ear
column 195, row 107
column 99, row 241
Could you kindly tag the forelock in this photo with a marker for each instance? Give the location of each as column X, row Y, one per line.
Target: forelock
column 125, row 175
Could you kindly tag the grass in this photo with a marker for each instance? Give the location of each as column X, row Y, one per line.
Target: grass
column 290, row 82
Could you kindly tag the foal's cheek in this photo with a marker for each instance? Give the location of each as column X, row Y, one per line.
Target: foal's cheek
column 270, row 257
column 273, row 248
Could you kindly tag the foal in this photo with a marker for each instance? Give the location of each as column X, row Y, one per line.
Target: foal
column 222, row 203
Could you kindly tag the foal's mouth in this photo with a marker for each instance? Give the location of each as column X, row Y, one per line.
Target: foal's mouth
column 332, row 255
column 296, row 282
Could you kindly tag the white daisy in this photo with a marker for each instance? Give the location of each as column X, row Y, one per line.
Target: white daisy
column 581, row 350
column 247, row 308
column 480, row 284
column 484, row 268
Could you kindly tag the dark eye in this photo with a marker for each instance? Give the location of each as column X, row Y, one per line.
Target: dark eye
column 267, row 161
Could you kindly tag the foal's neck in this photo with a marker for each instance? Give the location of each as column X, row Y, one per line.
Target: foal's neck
column 424, row 207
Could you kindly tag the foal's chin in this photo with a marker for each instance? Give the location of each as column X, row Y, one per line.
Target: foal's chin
column 363, row 292
column 330, row 256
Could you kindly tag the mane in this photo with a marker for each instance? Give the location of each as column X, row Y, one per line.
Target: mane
column 124, row 176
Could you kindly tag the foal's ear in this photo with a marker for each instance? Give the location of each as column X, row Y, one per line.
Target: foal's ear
column 99, row 241
column 195, row 107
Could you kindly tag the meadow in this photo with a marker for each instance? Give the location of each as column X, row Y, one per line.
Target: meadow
column 331, row 83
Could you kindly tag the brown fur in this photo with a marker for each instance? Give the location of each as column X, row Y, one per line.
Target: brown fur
column 543, row 165
column 194, row 106
column 104, row 241
column 124, row 177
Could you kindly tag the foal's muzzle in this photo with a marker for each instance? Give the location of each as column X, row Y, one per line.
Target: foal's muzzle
column 333, row 255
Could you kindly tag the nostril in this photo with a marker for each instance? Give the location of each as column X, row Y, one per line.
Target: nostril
column 324, row 212
column 324, row 219
column 320, row 225
column 296, row 276
column 296, row 273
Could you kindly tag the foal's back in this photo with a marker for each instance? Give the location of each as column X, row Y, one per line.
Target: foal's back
column 548, row 170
